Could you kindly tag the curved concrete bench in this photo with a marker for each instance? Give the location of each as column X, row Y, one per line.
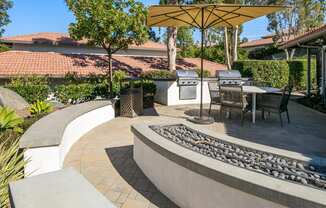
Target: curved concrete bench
column 68, row 189
column 50, row 138
column 194, row 180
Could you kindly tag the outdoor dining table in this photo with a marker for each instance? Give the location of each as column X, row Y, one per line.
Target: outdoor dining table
column 254, row 90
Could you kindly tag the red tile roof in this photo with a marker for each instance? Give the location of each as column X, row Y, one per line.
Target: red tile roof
column 64, row 39
column 259, row 42
column 293, row 40
column 307, row 36
column 15, row 63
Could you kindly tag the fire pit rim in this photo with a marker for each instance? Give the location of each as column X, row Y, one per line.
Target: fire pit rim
column 263, row 186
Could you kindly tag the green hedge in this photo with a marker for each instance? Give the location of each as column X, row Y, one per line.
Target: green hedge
column 278, row 73
column 75, row 93
column 31, row 88
column 158, row 74
column 298, row 73
column 206, row 73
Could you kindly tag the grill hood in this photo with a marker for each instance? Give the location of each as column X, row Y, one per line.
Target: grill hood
column 186, row 74
column 229, row 74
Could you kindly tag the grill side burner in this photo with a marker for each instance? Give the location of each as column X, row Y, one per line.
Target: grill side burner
column 232, row 77
column 187, row 83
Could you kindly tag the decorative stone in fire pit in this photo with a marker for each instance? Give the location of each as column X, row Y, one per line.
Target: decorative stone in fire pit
column 200, row 168
column 244, row 157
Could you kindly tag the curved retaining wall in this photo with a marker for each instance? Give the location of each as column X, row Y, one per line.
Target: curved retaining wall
column 194, row 180
column 49, row 140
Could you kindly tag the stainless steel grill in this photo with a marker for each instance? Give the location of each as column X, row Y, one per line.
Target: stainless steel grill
column 232, row 77
column 187, row 83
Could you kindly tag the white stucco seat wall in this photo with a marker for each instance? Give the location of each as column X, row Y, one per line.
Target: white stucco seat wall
column 74, row 122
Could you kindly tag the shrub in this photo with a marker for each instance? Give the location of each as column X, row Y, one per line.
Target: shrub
column 149, row 90
column 298, row 73
column 148, row 86
column 4, row 48
column 118, row 76
column 9, row 120
column 99, row 82
column 31, row 88
column 275, row 73
column 158, row 74
column 206, row 73
column 75, row 93
column 40, row 107
column 264, row 53
column 11, row 166
column 278, row 73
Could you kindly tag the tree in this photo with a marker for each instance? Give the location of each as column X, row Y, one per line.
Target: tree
column 110, row 24
column 4, row 17
column 302, row 16
column 171, row 39
column 152, row 35
column 185, row 37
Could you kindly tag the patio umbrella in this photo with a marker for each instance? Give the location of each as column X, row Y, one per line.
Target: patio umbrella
column 204, row 16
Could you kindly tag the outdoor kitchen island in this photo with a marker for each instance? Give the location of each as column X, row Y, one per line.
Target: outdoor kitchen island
column 192, row 170
column 183, row 90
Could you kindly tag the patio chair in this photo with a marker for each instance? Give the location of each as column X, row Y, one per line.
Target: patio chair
column 274, row 103
column 214, row 93
column 232, row 98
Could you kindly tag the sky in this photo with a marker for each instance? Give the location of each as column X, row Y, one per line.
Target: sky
column 32, row 16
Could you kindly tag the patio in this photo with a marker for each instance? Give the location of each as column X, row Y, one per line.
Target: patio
column 105, row 155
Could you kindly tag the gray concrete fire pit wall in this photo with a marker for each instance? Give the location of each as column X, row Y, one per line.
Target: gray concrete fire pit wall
column 193, row 180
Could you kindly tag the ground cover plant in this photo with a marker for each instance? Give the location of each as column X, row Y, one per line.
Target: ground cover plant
column 31, row 88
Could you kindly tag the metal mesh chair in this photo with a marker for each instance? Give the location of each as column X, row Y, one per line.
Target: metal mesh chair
column 214, row 93
column 232, row 98
column 274, row 103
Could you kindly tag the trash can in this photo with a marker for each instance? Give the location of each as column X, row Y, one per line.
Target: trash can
column 131, row 98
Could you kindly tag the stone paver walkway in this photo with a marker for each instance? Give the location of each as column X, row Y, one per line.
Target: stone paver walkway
column 104, row 155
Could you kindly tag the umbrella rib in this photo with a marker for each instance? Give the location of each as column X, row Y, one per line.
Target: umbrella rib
column 174, row 17
column 199, row 10
column 225, row 20
column 193, row 19
column 173, row 12
column 211, row 11
column 233, row 12
column 166, row 19
column 220, row 18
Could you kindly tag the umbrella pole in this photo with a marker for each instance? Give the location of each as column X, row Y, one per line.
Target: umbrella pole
column 201, row 73
column 202, row 119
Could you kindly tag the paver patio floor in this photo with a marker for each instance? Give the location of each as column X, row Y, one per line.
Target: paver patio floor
column 104, row 155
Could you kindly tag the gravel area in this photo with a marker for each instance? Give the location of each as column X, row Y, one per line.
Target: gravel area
column 262, row 162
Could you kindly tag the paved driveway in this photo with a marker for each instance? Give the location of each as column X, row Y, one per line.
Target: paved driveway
column 104, row 155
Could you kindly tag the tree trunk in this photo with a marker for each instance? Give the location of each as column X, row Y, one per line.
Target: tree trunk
column 287, row 56
column 235, row 45
column 110, row 74
column 172, row 43
column 226, row 48
column 172, row 47
column 292, row 53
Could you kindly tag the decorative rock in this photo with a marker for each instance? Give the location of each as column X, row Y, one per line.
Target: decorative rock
column 259, row 161
column 300, row 166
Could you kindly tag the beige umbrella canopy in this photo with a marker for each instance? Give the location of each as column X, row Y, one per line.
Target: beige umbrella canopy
column 204, row 16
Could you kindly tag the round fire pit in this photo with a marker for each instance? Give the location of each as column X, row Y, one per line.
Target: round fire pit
column 197, row 168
